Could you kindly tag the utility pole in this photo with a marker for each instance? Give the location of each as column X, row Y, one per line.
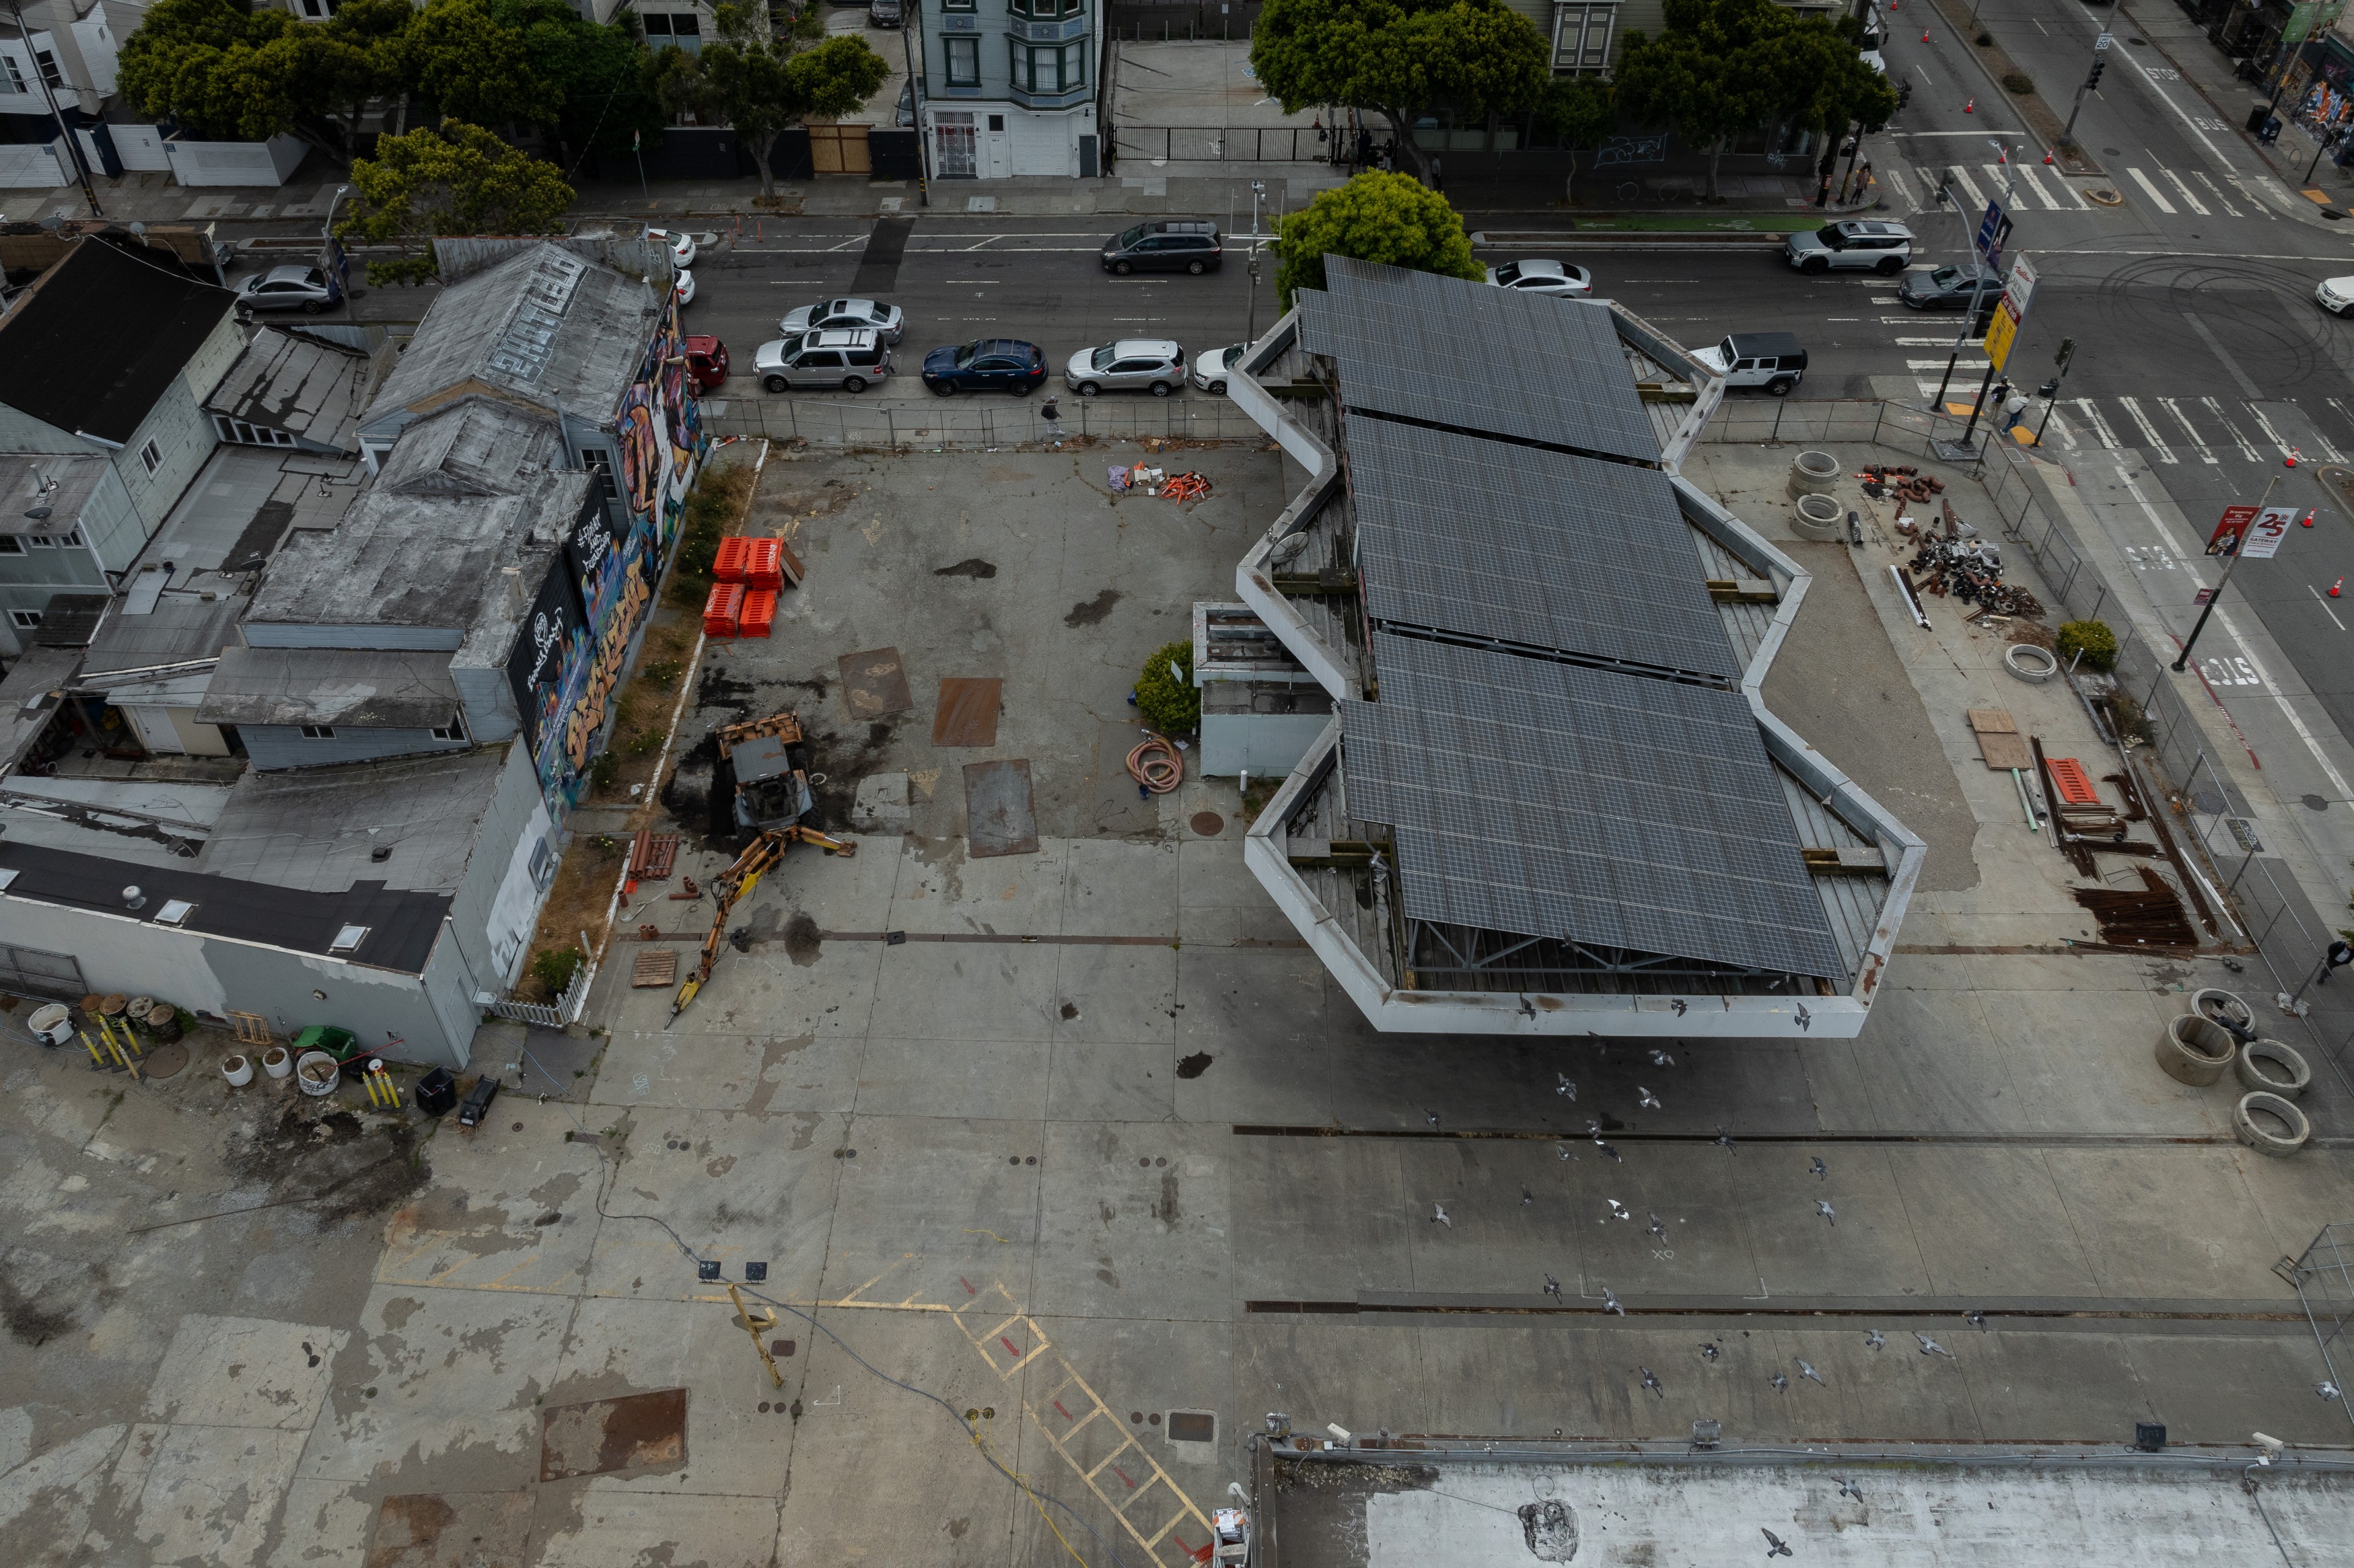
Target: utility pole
column 1978, row 289
column 916, row 110
column 2064, row 359
column 2238, row 543
column 65, row 132
column 2091, row 83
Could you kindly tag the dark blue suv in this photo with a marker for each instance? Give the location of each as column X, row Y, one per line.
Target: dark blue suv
column 1004, row 362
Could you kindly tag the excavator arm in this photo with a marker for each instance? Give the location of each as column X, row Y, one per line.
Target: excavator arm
column 737, row 882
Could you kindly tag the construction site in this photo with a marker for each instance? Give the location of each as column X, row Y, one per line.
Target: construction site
column 1663, row 1012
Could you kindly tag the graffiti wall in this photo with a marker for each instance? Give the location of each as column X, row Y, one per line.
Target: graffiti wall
column 609, row 569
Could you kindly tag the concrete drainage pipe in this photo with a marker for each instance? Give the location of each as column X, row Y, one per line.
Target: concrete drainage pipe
column 1812, row 474
column 2269, row 1124
column 2227, row 1008
column 2272, row 1068
column 1816, row 517
column 2028, row 663
column 2195, row 1050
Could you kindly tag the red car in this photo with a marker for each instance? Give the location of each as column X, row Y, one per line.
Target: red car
column 706, row 361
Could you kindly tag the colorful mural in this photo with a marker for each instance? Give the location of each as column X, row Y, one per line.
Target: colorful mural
column 613, row 561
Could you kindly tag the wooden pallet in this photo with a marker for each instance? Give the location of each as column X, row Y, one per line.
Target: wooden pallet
column 654, row 967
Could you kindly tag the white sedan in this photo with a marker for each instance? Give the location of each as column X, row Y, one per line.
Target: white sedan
column 685, row 288
column 1557, row 279
column 2336, row 295
column 680, row 243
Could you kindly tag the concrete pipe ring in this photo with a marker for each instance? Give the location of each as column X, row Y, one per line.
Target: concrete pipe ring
column 2273, row 1068
column 2028, row 663
column 2195, row 1050
column 1813, row 473
column 2259, row 1135
column 1816, row 517
column 2227, row 1008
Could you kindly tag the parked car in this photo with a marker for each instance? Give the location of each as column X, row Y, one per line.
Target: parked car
column 1555, row 277
column 885, row 13
column 888, row 320
column 1773, row 360
column 1210, row 369
column 1853, row 245
column 1151, row 363
column 706, row 361
column 680, row 243
column 2336, row 295
column 851, row 359
column 683, row 287
column 1950, row 288
column 1001, row 364
column 306, row 289
column 1178, row 245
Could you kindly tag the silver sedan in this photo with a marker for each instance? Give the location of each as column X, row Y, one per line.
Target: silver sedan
column 1155, row 364
column 870, row 315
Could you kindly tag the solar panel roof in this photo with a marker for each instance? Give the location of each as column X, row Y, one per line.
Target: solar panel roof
column 1452, row 352
column 1552, row 799
column 1531, row 546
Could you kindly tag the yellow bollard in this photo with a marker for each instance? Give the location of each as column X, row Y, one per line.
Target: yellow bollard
column 91, row 1046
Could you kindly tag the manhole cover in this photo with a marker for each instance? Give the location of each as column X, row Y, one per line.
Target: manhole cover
column 2316, row 803
column 165, row 1061
column 1209, row 824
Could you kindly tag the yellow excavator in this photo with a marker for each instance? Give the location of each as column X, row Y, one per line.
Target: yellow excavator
column 737, row 882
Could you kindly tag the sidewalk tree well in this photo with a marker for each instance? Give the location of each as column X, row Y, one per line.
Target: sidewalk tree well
column 1375, row 218
column 1400, row 58
column 452, row 179
column 760, row 84
column 1578, row 111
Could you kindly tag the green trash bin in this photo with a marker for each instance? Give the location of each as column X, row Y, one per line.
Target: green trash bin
column 340, row 1044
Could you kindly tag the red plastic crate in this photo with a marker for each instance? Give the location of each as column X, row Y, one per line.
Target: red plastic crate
column 728, row 566
column 759, row 612
column 764, row 564
column 723, row 612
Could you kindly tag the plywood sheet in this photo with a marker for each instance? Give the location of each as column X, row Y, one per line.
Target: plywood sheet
column 999, row 818
column 875, row 683
column 968, row 715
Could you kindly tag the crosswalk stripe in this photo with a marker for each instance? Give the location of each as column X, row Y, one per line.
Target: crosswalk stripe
column 2211, row 184
column 2156, row 195
column 2198, row 441
column 1962, row 179
column 2270, row 434
column 2240, row 186
column 1940, row 364
column 2027, row 177
column 2217, row 409
column 2328, row 452
column 2132, row 406
column 2195, row 204
column 1903, row 187
column 2108, row 438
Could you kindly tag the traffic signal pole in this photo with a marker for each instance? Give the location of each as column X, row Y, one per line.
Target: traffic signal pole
column 2091, row 83
column 2182, row 661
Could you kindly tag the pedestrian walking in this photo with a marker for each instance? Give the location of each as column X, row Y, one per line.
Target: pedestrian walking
column 1438, row 182
column 1051, row 412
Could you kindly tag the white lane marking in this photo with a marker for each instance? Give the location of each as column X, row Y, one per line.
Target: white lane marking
column 2196, row 205
column 1926, row 343
column 1959, row 365
column 2344, row 413
column 1962, row 180
column 2198, row 441
column 2131, row 407
column 2220, row 196
column 2155, row 194
column 2107, row 437
column 2180, row 114
column 2325, row 605
column 2246, row 451
column 2270, row 434
column 2027, row 177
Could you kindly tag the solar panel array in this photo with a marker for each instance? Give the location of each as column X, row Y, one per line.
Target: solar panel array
column 1530, row 546
column 1552, row 799
column 1456, row 353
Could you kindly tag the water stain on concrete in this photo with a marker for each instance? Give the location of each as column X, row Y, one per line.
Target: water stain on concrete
column 1091, row 612
column 804, row 1128
column 803, row 940
column 1193, row 1066
column 721, row 1166
column 1166, row 1210
column 637, row 1432
column 972, row 567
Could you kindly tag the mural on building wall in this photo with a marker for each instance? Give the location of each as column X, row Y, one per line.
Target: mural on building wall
column 614, row 562
column 553, row 647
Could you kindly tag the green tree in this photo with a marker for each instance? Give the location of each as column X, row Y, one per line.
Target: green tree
column 217, row 70
column 1375, row 218
column 1579, row 111
column 598, row 71
column 451, row 179
column 1400, row 58
column 479, row 70
column 359, row 57
column 762, row 84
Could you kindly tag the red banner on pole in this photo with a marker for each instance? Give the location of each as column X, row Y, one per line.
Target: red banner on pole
column 2228, row 532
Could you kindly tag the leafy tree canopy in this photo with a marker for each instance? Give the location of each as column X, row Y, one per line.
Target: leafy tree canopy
column 761, row 84
column 215, row 69
column 1375, row 218
column 1399, row 58
column 451, row 179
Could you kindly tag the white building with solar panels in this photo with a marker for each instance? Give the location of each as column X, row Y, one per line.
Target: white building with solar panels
column 1549, row 798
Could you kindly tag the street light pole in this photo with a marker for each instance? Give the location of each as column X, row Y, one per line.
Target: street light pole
column 1978, row 289
column 65, row 132
column 2182, row 662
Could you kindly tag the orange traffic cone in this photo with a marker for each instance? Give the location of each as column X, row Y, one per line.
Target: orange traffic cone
column 2002, row 155
column 1971, row 107
column 2290, row 461
column 2306, row 520
column 2047, row 154
column 1924, row 35
column 2336, row 586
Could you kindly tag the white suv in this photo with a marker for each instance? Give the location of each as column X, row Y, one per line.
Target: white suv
column 1853, row 245
column 849, row 358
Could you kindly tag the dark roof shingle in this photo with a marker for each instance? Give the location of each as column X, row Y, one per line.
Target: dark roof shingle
column 92, row 345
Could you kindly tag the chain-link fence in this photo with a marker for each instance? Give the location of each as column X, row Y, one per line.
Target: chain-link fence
column 977, row 420
column 2224, row 852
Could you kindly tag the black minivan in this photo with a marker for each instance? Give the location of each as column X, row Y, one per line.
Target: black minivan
column 1172, row 246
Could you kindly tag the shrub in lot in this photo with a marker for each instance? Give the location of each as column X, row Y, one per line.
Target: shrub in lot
column 1373, row 217
column 553, row 968
column 2018, row 82
column 2093, row 639
column 1170, row 700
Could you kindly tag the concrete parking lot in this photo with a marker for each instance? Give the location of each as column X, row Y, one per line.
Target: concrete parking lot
column 1096, row 1151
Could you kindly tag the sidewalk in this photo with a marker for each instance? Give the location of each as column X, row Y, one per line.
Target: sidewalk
column 2184, row 45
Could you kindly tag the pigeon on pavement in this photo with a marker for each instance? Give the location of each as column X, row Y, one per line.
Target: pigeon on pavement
column 1826, row 1211
column 1562, row 1149
column 1655, row 1227
column 1553, row 1288
column 1652, row 1382
column 1848, row 1488
column 1527, row 1009
column 1646, row 1099
column 1527, row 1197
column 1618, row 1209
column 1710, row 1351
column 1660, row 1058
column 1430, row 1116
column 1610, row 1151
column 1678, row 1005
column 1930, row 1347
column 1775, row 1546
column 1806, row 1019
column 1818, row 1169
column 1779, row 1380
column 1975, row 1320
column 1807, row 1370
column 1724, row 1139
column 1566, row 1089
column 1438, row 1216
column 2327, row 1389
column 1610, row 1302
column 1873, row 1341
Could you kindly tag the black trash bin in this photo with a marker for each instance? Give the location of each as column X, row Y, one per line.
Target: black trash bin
column 437, row 1092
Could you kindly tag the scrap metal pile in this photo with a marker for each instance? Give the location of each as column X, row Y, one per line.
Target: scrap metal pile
column 1882, row 480
column 1972, row 573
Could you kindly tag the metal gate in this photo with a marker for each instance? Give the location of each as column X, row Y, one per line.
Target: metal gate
column 839, row 150
column 32, row 972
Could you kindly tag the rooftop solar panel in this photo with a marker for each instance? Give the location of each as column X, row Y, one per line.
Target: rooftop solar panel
column 1551, row 799
column 1469, row 354
column 1530, row 546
